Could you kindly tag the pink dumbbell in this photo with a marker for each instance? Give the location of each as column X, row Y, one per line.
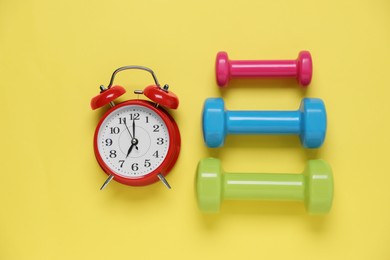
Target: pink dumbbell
column 301, row 68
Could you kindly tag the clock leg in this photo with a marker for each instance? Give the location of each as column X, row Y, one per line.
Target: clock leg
column 107, row 181
column 163, row 180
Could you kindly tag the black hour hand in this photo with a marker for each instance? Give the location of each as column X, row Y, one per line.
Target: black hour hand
column 134, row 142
column 130, row 149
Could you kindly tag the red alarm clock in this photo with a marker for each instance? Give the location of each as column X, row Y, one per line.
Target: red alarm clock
column 136, row 142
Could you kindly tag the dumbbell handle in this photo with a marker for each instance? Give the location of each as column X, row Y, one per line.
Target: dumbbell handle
column 244, row 186
column 263, row 122
column 263, row 68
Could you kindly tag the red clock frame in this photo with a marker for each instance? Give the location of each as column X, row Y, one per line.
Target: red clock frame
column 168, row 162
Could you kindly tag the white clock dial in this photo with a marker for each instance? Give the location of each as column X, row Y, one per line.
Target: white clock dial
column 133, row 141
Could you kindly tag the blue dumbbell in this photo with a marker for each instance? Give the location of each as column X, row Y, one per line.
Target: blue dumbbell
column 309, row 122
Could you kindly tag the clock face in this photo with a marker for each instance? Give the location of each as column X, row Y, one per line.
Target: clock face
column 133, row 141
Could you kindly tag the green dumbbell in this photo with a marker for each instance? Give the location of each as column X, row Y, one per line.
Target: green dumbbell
column 314, row 186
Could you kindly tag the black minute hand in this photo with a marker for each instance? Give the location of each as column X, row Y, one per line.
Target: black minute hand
column 132, row 137
column 133, row 128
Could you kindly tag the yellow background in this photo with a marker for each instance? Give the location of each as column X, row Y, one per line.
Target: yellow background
column 55, row 54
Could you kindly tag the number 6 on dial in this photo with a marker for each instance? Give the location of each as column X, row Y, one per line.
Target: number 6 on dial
column 136, row 142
